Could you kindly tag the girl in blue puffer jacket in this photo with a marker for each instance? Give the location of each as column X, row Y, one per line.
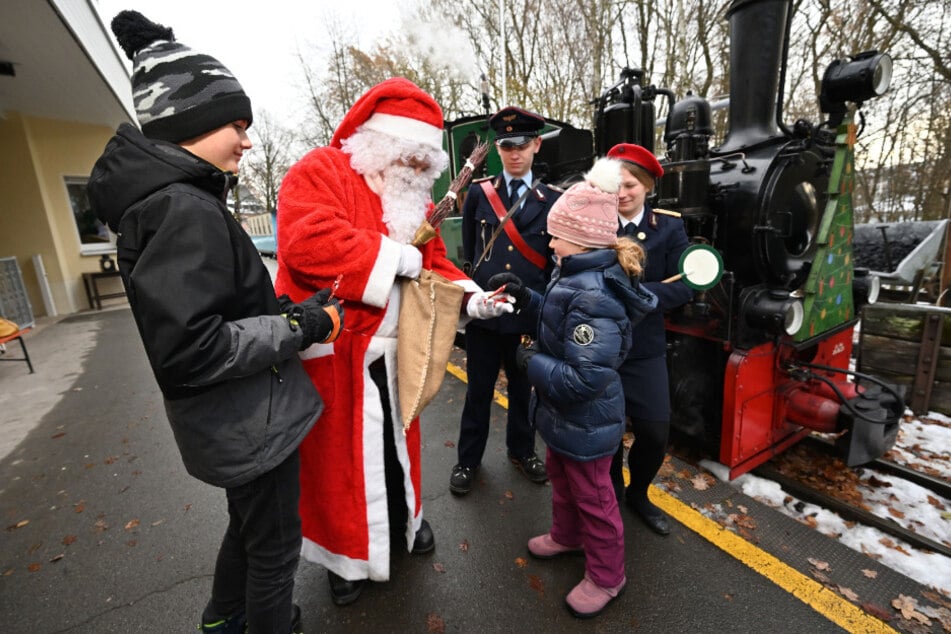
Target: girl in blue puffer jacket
column 584, row 333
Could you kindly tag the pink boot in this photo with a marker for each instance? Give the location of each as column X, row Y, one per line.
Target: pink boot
column 588, row 599
column 544, row 547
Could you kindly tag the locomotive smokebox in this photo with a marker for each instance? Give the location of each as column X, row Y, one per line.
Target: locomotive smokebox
column 759, row 30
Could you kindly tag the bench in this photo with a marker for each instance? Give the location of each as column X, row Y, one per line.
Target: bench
column 18, row 335
column 91, row 282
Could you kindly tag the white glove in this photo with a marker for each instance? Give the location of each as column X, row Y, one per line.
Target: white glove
column 411, row 262
column 486, row 305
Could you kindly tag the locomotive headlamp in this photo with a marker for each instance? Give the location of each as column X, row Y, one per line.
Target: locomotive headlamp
column 773, row 311
column 865, row 76
column 865, row 288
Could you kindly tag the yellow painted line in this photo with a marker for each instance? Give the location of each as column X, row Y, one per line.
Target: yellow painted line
column 460, row 374
column 814, row 594
column 824, row 601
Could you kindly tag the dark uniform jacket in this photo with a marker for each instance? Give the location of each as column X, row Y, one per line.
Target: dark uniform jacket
column 664, row 241
column 584, row 334
column 478, row 224
column 236, row 394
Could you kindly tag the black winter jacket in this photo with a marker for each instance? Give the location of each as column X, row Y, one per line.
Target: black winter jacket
column 236, row 395
column 584, row 334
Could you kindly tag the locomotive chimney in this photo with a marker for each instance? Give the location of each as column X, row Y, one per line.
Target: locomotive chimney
column 758, row 32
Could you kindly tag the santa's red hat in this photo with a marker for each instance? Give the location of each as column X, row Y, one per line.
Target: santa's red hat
column 397, row 107
column 639, row 156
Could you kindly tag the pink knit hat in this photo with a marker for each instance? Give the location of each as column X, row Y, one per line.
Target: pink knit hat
column 586, row 213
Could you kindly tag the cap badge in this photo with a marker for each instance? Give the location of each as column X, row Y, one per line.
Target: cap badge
column 507, row 118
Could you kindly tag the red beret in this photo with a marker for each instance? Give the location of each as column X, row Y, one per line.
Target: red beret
column 637, row 155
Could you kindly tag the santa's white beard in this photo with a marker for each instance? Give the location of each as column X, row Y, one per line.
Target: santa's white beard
column 405, row 199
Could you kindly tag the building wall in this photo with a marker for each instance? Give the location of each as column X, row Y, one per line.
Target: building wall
column 38, row 155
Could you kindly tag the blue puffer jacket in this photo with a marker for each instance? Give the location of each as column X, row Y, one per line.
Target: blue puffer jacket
column 584, row 333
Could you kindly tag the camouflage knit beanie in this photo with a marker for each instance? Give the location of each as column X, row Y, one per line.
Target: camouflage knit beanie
column 178, row 94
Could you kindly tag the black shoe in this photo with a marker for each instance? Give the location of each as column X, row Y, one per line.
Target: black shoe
column 297, row 624
column 460, row 482
column 237, row 624
column 653, row 517
column 425, row 542
column 532, row 467
column 343, row 591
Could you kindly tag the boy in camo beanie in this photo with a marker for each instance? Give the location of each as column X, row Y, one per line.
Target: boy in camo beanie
column 178, row 93
column 223, row 348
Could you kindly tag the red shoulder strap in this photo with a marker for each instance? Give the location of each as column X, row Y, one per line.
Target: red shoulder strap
column 527, row 252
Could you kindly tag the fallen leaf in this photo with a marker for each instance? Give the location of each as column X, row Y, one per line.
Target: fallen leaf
column 434, row 623
column 59, row 435
column 464, row 546
column 157, row 522
column 521, row 562
column 449, row 444
column 871, row 574
column 877, row 611
column 35, row 547
column 132, row 524
column 57, row 557
column 69, row 539
column 79, row 507
column 728, row 597
column 19, row 524
column 101, row 525
column 896, row 513
column 819, row 565
column 438, row 567
column 848, row 593
column 509, row 495
column 535, row 583
column 8, row 572
column 33, row 567
column 907, row 606
column 702, row 482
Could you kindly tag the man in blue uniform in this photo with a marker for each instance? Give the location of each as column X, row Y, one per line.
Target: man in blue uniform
column 644, row 372
column 520, row 248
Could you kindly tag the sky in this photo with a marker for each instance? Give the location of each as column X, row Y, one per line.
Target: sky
column 259, row 41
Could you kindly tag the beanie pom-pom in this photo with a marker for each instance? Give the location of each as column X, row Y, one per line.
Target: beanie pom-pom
column 605, row 174
column 134, row 32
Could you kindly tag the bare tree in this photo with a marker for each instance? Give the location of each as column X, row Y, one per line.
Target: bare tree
column 558, row 56
column 270, row 157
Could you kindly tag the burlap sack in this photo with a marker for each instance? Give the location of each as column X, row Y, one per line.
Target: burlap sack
column 429, row 316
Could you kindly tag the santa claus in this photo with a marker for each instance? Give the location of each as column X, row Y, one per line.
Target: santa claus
column 348, row 212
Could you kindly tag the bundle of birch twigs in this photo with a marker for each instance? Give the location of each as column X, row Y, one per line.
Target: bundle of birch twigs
column 427, row 230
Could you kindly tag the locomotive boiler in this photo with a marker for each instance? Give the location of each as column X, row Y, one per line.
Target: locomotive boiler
column 762, row 357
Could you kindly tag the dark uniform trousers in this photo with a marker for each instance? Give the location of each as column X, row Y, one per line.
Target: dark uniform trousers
column 491, row 344
column 644, row 372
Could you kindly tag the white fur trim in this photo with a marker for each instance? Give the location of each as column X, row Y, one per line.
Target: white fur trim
column 383, row 275
column 316, row 350
column 605, row 174
column 405, row 128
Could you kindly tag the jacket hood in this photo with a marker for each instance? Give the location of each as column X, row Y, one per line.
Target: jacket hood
column 637, row 300
column 133, row 167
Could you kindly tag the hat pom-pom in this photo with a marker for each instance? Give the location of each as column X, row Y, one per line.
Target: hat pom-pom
column 134, row 32
column 605, row 174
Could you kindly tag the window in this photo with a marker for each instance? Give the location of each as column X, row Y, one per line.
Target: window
column 94, row 237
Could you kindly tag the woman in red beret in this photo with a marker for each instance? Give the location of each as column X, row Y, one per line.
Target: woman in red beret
column 644, row 373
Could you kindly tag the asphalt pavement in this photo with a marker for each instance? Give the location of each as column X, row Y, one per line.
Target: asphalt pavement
column 103, row 530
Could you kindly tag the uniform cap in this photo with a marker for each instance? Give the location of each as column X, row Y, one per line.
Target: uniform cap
column 639, row 156
column 515, row 126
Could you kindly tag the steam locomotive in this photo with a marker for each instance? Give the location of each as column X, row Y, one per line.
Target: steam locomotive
column 762, row 358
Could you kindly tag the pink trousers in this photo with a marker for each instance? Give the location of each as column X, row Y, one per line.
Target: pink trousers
column 584, row 511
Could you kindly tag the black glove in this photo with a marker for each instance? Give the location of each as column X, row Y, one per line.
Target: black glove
column 523, row 354
column 513, row 286
column 319, row 318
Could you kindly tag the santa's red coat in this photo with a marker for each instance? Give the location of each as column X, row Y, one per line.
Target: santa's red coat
column 330, row 223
